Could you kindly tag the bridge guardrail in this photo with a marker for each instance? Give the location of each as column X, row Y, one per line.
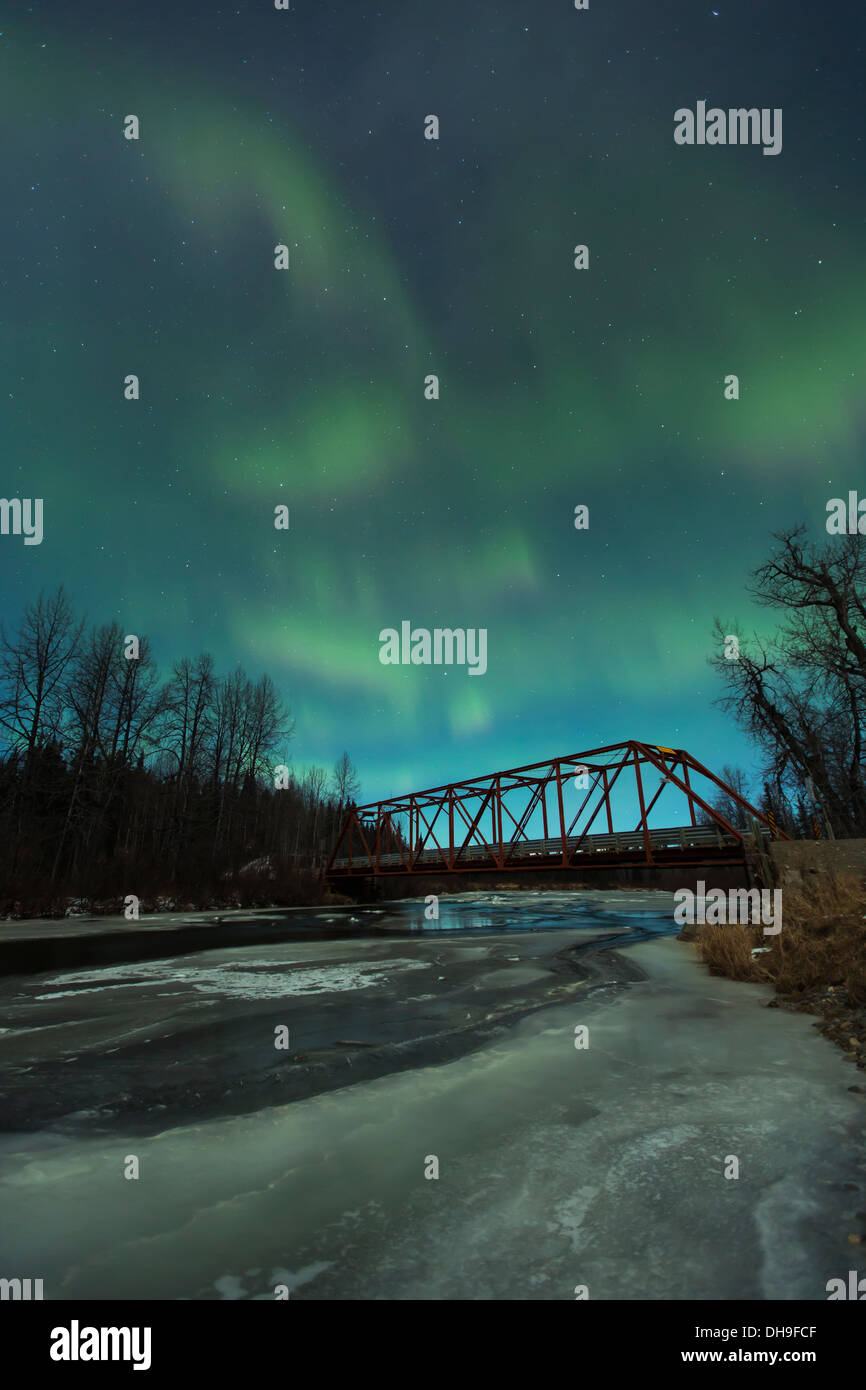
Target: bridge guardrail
column 682, row 837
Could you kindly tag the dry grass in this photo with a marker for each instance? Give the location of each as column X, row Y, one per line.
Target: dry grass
column 822, row 943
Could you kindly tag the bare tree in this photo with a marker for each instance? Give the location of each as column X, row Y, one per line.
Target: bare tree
column 345, row 781
column 33, row 666
column 802, row 694
column 189, row 709
column 727, row 806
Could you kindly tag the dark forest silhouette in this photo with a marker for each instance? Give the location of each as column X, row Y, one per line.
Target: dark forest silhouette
column 115, row 782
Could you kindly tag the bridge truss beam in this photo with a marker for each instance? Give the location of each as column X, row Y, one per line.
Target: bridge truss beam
column 482, row 824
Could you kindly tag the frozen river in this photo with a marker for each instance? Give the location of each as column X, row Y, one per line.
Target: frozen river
column 451, row 1047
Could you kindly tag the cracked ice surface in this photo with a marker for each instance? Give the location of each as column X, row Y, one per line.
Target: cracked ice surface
column 231, row 980
column 558, row 1167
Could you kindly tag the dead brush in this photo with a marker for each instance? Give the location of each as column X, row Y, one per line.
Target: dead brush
column 726, row 949
column 822, row 942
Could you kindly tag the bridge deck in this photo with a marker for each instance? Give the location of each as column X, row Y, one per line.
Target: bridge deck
column 675, row 842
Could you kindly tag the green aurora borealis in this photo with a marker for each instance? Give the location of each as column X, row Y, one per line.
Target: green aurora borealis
column 410, row 257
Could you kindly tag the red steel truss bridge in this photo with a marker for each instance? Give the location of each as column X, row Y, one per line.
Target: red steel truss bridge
column 576, row 812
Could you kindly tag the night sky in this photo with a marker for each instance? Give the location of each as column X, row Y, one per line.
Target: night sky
column 559, row 387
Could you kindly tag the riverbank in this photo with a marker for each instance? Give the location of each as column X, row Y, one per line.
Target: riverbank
column 257, row 893
column 816, row 964
column 41, row 944
column 251, row 887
